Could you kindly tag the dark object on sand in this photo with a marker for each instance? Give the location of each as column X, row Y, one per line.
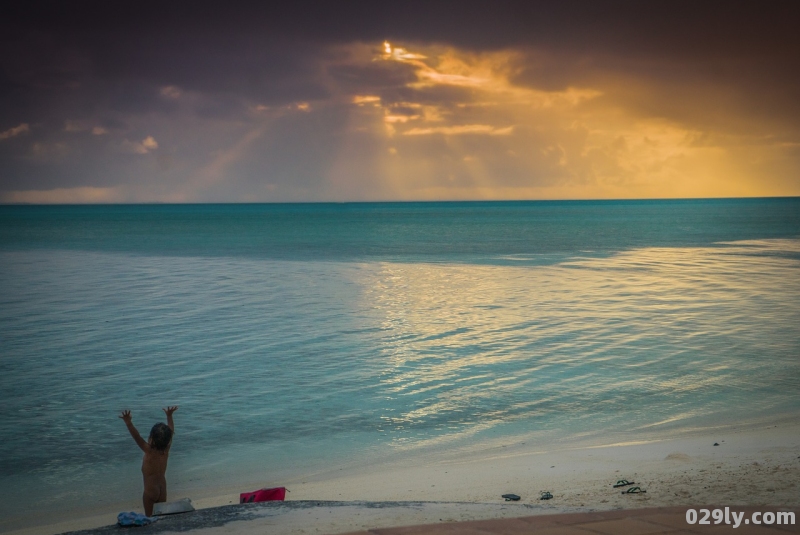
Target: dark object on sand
column 546, row 495
column 623, row 483
column 511, row 497
column 716, row 443
column 263, row 495
column 634, row 490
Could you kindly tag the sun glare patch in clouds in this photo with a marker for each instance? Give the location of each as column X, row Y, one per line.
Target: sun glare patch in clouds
column 144, row 146
column 497, row 139
column 238, row 117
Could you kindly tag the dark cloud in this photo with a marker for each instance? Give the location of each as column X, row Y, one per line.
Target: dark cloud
column 677, row 28
column 191, row 74
column 270, row 50
column 375, row 77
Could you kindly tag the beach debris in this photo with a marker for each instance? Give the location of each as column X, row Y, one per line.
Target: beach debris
column 134, row 519
column 546, row 495
column 171, row 508
column 634, row 490
column 263, row 495
column 623, row 483
column 510, row 497
column 716, row 443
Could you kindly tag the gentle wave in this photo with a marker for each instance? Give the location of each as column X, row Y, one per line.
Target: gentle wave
column 296, row 363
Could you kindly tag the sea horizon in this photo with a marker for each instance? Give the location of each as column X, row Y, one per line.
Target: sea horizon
column 407, row 201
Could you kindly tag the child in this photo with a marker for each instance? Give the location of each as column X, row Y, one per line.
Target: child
column 154, row 463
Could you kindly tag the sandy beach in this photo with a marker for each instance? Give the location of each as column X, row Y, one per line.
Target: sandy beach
column 752, row 466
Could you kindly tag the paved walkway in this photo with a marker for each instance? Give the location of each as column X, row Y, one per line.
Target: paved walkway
column 667, row 520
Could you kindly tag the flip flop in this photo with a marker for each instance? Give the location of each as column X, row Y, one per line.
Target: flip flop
column 623, row 483
column 634, row 490
column 546, row 495
column 510, row 497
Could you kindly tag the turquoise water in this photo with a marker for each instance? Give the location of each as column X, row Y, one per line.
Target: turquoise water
column 299, row 337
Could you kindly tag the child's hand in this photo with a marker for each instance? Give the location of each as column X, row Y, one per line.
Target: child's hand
column 169, row 410
column 126, row 417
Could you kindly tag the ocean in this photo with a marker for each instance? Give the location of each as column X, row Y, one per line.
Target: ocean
column 304, row 337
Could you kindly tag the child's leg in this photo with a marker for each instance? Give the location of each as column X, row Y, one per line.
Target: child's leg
column 155, row 491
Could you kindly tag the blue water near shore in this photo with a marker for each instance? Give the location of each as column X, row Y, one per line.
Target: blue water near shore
column 303, row 336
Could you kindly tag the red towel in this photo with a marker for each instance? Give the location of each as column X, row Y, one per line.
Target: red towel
column 263, row 495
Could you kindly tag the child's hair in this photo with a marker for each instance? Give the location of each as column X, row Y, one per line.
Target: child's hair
column 160, row 436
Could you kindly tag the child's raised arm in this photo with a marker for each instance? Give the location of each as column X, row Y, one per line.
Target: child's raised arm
column 126, row 417
column 168, row 411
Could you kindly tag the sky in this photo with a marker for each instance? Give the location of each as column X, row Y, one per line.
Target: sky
column 112, row 102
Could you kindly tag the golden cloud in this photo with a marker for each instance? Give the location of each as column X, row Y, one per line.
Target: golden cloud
column 571, row 142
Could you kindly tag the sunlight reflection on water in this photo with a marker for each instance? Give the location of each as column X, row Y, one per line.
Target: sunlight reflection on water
column 690, row 333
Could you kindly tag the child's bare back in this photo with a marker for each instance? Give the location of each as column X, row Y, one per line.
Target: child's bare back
column 154, row 462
